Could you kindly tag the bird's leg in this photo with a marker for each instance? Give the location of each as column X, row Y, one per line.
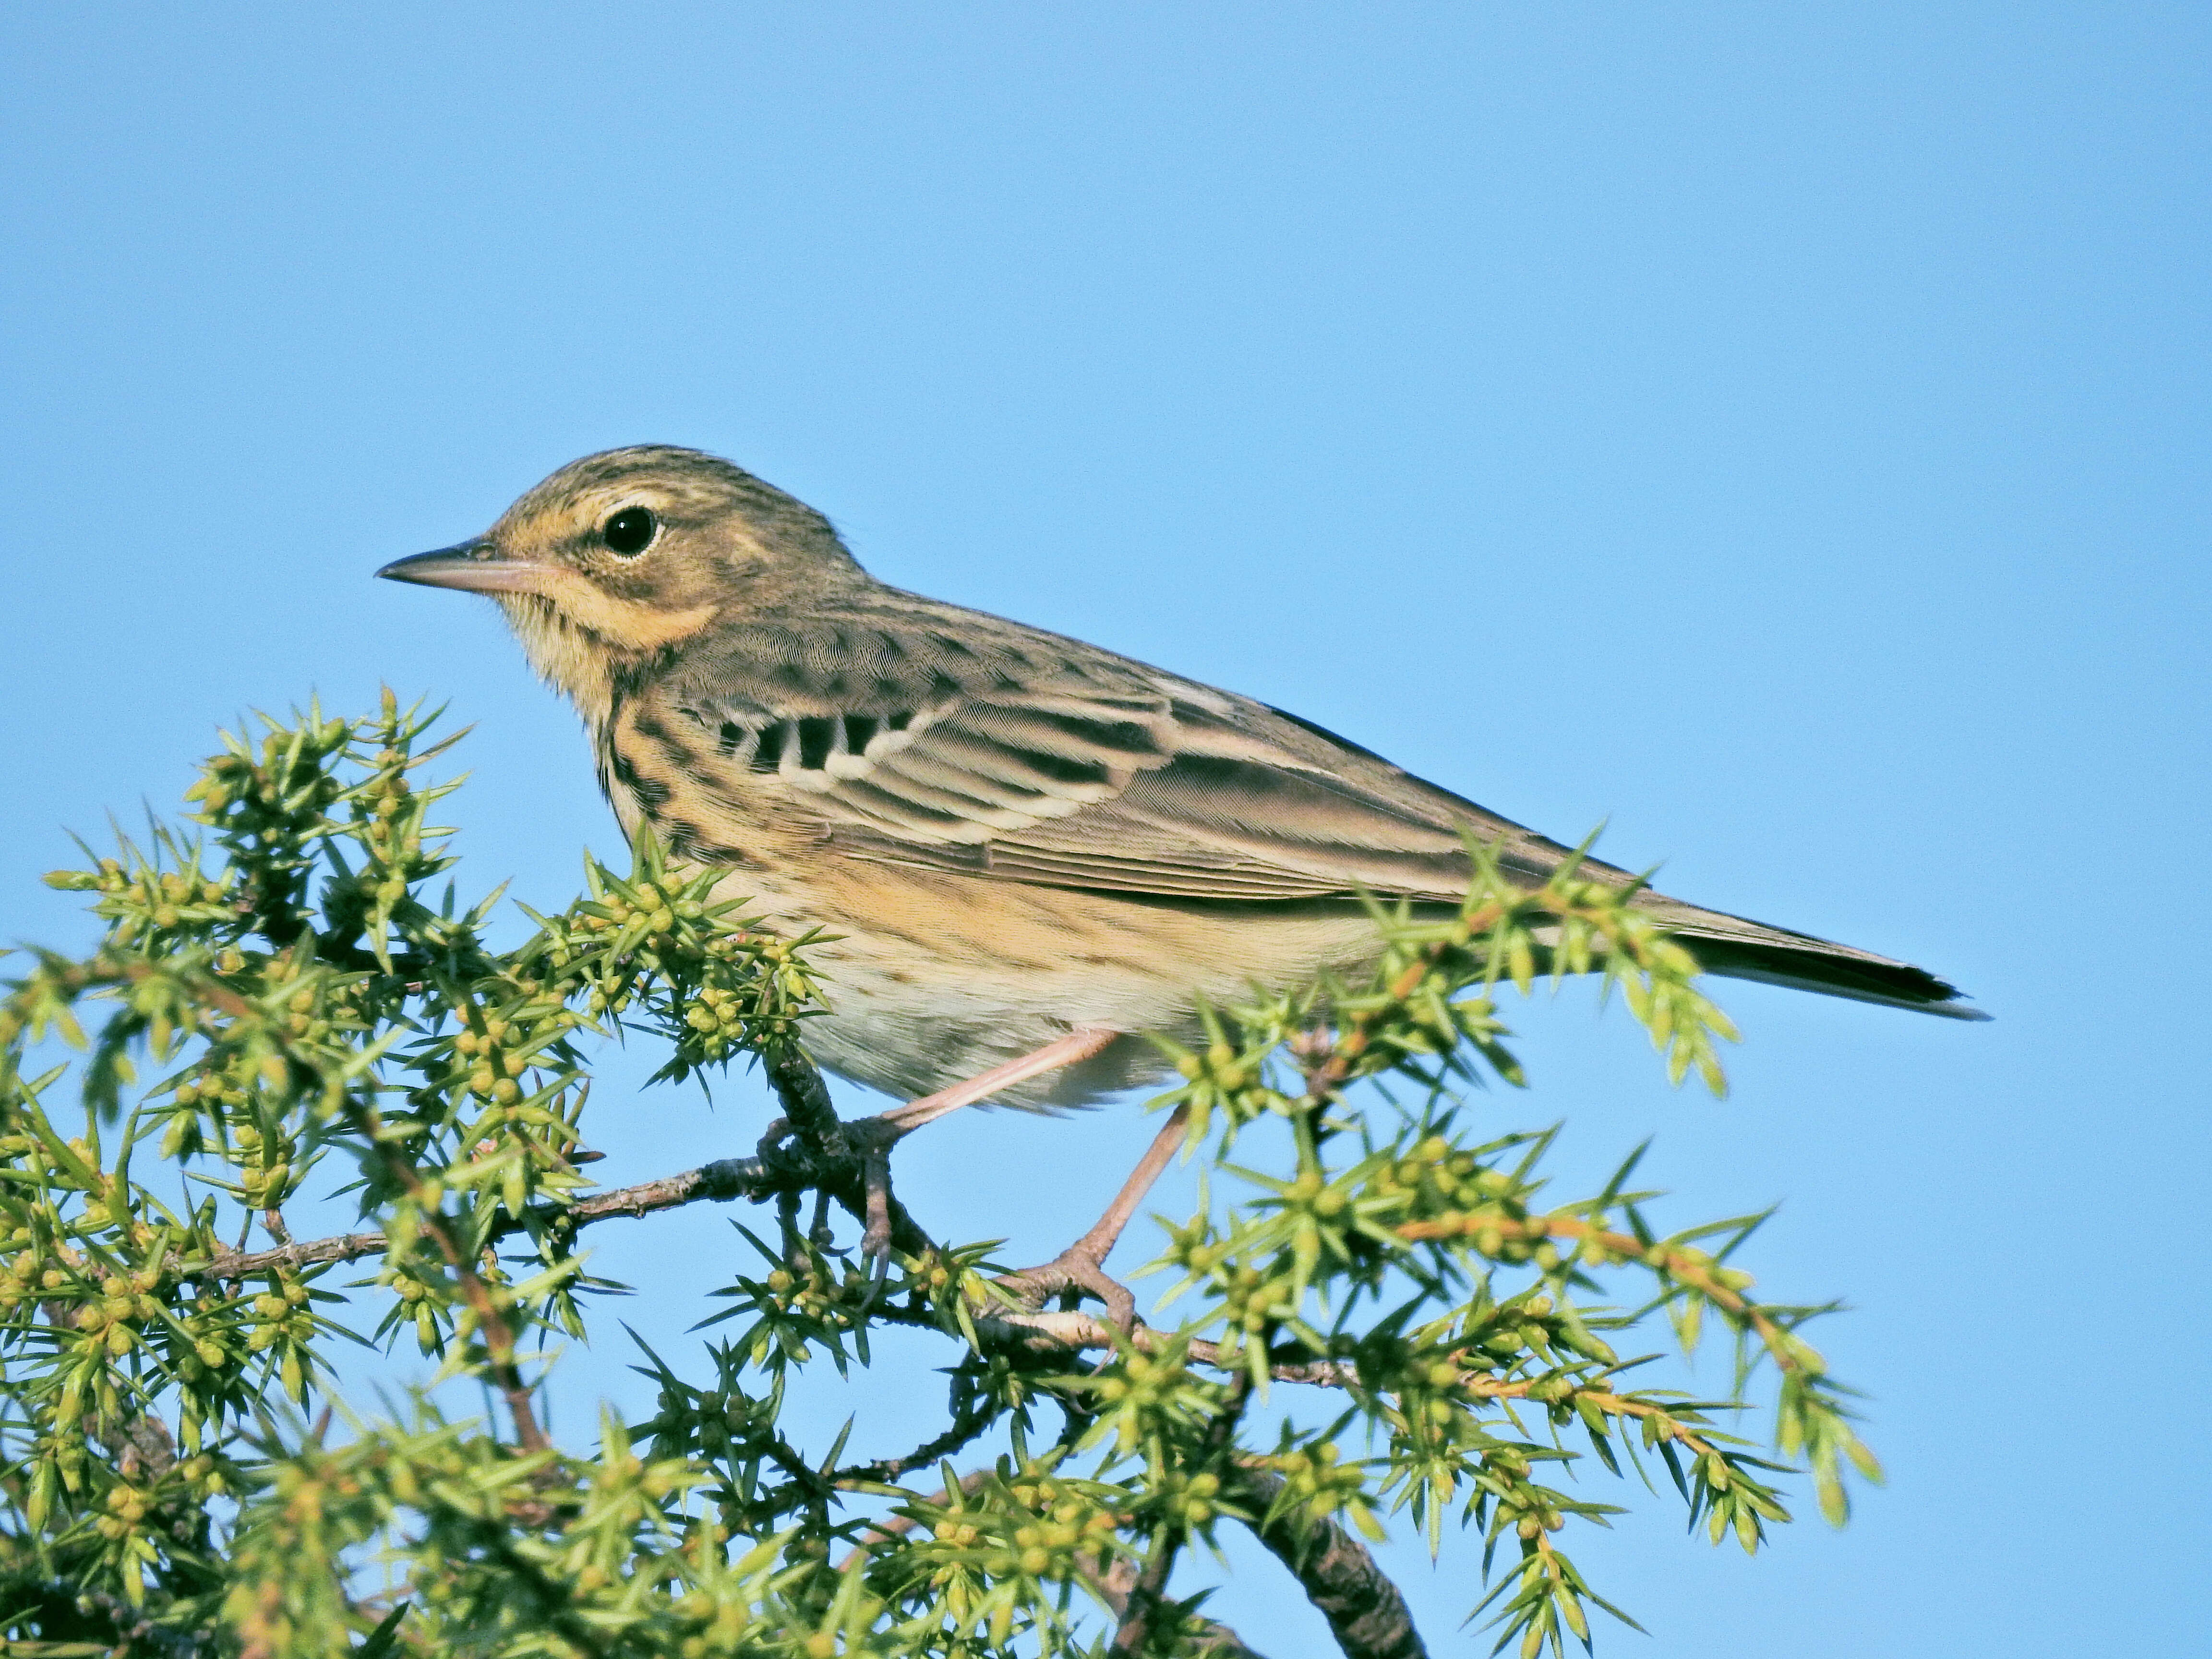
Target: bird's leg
column 879, row 1135
column 1081, row 1265
column 1079, row 1044
column 1106, row 1231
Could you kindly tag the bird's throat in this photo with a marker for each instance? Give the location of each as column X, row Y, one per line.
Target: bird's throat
column 579, row 639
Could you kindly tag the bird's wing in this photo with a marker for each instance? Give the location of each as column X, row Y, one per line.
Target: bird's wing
column 1043, row 760
column 923, row 735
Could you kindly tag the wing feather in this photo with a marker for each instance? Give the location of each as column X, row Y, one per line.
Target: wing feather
column 1083, row 772
column 1005, row 749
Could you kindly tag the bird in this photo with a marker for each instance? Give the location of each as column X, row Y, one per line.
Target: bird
column 1021, row 853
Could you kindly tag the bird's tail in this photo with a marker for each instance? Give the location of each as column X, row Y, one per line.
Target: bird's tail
column 1742, row 948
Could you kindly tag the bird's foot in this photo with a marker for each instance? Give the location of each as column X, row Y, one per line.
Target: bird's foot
column 874, row 1137
column 1075, row 1269
column 1081, row 1266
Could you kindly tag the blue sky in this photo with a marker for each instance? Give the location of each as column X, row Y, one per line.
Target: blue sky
column 1779, row 432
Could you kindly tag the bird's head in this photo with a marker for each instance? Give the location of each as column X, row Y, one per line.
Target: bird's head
column 621, row 555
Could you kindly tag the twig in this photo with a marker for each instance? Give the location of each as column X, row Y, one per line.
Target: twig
column 1212, row 1639
column 833, row 1158
column 895, row 1527
column 491, row 1323
column 750, row 1178
column 720, row 1183
column 1140, row 1607
column 1111, row 1584
column 1081, row 1331
column 966, row 1425
column 806, row 1098
column 1148, row 1595
column 1366, row 1612
column 1693, row 1270
column 1327, row 1064
column 850, row 1161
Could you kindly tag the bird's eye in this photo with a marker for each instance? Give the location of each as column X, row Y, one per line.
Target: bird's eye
column 630, row 531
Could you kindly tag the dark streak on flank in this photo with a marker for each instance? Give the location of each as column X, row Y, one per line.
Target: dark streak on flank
column 649, row 793
column 733, row 738
column 695, row 766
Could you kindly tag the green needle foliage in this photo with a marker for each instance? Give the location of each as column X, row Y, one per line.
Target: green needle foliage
column 1379, row 1316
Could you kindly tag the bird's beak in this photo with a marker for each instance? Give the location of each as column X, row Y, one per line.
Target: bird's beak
column 473, row 567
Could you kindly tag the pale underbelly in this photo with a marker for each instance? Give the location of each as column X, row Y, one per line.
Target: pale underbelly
column 936, row 977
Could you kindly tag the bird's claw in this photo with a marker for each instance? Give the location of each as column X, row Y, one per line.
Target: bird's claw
column 1074, row 1268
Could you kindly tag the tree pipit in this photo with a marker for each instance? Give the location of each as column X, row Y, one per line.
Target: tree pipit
column 1026, row 850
